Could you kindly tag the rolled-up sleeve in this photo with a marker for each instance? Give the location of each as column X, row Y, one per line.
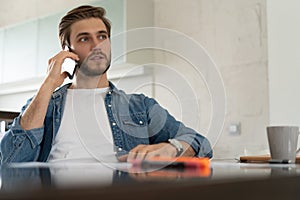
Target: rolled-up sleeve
column 19, row 145
column 163, row 126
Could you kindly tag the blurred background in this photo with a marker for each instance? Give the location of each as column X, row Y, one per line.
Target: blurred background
column 254, row 45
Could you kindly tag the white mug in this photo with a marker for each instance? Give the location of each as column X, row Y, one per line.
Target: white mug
column 283, row 143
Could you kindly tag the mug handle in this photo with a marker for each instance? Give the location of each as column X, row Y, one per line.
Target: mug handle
column 298, row 150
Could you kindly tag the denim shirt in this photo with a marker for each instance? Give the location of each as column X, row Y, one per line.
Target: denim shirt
column 134, row 119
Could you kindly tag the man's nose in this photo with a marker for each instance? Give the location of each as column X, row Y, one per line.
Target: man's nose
column 96, row 50
column 95, row 44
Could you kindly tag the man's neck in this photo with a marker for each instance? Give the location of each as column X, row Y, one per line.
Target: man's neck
column 84, row 82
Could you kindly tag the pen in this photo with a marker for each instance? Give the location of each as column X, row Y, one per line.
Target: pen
column 280, row 161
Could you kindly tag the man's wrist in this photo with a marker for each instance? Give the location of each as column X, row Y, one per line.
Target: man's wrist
column 178, row 146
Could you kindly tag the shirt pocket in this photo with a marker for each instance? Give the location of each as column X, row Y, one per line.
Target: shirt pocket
column 134, row 125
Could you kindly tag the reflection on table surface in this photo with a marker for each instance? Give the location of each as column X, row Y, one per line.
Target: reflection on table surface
column 85, row 174
column 29, row 177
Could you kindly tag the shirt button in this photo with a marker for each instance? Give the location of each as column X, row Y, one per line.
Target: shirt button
column 141, row 122
column 109, row 105
column 109, row 92
column 114, row 124
column 120, row 149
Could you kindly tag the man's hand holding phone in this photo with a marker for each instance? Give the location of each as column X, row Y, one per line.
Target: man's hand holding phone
column 55, row 76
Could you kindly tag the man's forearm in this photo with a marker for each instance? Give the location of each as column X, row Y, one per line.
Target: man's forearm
column 34, row 115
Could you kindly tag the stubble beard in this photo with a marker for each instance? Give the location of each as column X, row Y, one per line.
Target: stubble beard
column 91, row 68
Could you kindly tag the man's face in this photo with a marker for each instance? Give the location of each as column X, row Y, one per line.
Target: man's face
column 89, row 40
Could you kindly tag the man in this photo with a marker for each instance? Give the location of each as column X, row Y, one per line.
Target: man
column 59, row 124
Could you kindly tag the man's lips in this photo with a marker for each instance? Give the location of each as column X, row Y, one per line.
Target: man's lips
column 97, row 57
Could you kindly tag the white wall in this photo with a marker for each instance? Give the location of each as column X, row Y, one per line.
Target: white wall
column 235, row 35
column 284, row 61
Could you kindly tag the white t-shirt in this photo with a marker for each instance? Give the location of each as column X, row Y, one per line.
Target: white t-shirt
column 84, row 133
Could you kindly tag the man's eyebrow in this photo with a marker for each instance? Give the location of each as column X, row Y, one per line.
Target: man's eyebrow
column 86, row 33
column 81, row 34
column 102, row 31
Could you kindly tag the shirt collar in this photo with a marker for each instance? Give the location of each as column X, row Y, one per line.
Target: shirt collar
column 63, row 89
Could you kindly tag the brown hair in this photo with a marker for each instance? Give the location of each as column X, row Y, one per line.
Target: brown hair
column 77, row 14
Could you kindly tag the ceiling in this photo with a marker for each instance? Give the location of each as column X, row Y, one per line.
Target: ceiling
column 16, row 11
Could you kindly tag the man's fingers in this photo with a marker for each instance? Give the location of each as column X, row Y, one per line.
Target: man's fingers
column 122, row 158
column 141, row 155
column 142, row 152
column 61, row 56
column 137, row 153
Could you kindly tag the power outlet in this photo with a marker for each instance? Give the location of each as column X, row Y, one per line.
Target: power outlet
column 234, row 128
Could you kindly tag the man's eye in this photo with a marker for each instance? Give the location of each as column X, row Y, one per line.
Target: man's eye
column 84, row 39
column 102, row 37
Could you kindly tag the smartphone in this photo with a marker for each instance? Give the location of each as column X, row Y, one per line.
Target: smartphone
column 69, row 66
